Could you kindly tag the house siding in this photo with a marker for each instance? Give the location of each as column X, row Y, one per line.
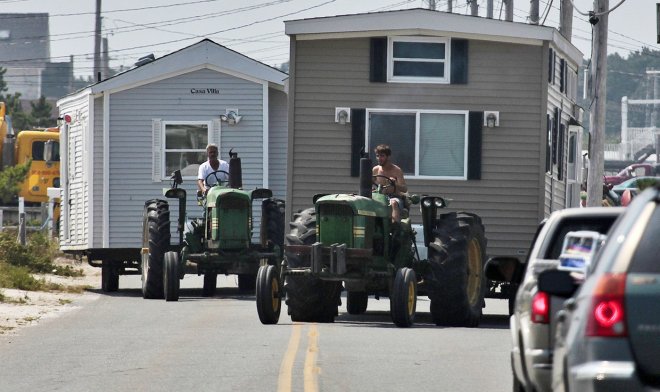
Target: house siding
column 277, row 143
column 501, row 77
column 98, row 174
column 131, row 115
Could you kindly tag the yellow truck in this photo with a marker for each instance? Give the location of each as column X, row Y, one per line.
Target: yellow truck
column 37, row 144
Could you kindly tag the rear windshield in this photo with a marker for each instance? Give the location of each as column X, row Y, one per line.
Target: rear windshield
column 647, row 255
column 599, row 224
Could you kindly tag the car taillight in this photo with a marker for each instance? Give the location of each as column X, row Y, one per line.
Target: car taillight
column 607, row 314
column 541, row 308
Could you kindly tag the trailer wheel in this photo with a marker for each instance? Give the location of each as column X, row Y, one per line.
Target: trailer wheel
column 247, row 282
column 155, row 240
column 403, row 298
column 457, row 284
column 356, row 302
column 109, row 277
column 308, row 298
column 269, row 301
column 210, row 283
column 171, row 276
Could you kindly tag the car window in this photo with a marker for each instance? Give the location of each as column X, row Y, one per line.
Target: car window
column 599, row 224
column 645, row 258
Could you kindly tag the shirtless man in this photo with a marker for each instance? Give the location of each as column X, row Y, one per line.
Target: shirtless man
column 393, row 172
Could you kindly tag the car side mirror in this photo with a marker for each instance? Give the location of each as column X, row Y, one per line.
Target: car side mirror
column 502, row 268
column 558, row 283
column 48, row 151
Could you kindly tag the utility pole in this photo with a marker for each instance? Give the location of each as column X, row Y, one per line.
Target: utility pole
column 489, row 9
column 105, row 59
column 534, row 12
column 474, row 7
column 566, row 19
column 432, row 5
column 449, row 6
column 97, row 43
column 508, row 16
column 599, row 19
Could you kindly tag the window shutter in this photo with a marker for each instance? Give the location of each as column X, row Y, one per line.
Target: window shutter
column 551, row 65
column 378, row 60
column 560, row 163
column 475, row 127
column 459, row 61
column 215, row 132
column 562, row 75
column 157, row 148
column 358, row 124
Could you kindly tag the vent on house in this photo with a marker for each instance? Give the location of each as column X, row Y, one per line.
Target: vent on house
column 4, row 34
column 145, row 60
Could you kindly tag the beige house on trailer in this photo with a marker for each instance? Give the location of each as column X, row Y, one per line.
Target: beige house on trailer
column 479, row 111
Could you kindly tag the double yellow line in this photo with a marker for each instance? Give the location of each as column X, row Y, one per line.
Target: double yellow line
column 311, row 370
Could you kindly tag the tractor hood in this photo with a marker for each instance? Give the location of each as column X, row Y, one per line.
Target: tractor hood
column 220, row 192
column 376, row 207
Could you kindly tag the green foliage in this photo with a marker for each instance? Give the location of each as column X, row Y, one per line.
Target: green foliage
column 36, row 256
column 3, row 84
column 42, row 113
column 10, row 179
column 13, row 277
column 19, row 118
column 647, row 183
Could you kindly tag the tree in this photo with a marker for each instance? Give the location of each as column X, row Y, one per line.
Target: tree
column 10, row 178
column 20, row 120
column 41, row 113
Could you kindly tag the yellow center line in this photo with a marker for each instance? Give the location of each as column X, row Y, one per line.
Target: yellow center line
column 286, row 368
column 311, row 370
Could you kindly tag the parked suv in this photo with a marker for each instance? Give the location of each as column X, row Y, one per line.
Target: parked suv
column 532, row 325
column 608, row 335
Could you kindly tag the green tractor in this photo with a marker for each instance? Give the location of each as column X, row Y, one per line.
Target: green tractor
column 218, row 243
column 350, row 239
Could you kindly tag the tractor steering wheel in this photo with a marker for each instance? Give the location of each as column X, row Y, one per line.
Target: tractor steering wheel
column 381, row 187
column 217, row 179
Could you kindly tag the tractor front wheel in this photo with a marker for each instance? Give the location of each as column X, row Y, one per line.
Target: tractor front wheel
column 171, row 276
column 109, row 277
column 356, row 302
column 403, row 298
column 269, row 301
column 210, row 283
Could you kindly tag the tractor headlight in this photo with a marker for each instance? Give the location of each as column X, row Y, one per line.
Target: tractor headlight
column 427, row 203
column 439, row 203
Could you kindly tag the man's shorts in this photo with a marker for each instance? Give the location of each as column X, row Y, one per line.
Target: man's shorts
column 400, row 202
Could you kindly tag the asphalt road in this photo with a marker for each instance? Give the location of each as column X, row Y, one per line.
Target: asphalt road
column 122, row 342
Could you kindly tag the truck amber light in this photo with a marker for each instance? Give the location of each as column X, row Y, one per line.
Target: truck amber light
column 607, row 314
column 541, row 308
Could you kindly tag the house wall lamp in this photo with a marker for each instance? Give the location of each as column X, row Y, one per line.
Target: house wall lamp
column 231, row 117
column 342, row 115
column 491, row 119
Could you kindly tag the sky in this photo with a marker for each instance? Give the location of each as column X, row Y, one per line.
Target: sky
column 255, row 28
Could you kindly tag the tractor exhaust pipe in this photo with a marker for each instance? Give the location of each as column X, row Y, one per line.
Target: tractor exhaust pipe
column 365, row 175
column 235, row 171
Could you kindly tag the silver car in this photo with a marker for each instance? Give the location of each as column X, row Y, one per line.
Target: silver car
column 608, row 335
column 531, row 322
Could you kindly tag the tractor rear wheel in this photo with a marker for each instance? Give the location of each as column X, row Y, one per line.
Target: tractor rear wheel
column 457, row 284
column 210, row 283
column 247, row 282
column 308, row 298
column 109, row 277
column 269, row 301
column 171, row 276
column 155, row 238
column 403, row 297
column 356, row 302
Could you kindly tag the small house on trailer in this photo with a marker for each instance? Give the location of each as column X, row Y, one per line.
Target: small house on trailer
column 128, row 134
column 479, row 111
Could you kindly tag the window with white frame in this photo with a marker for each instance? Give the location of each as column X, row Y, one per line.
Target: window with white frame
column 418, row 59
column 425, row 144
column 185, row 146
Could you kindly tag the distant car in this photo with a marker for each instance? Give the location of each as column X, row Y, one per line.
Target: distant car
column 532, row 329
column 608, row 334
column 633, row 183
